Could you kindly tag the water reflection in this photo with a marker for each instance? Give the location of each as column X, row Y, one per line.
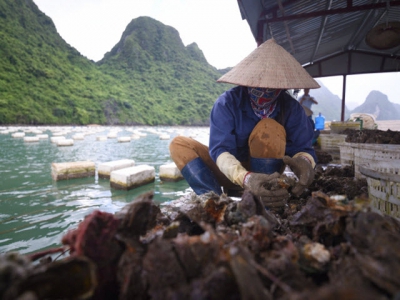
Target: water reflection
column 36, row 211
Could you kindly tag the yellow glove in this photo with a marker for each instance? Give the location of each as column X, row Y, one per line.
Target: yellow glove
column 231, row 167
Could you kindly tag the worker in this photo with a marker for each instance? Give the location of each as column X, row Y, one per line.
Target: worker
column 256, row 128
column 295, row 93
column 307, row 101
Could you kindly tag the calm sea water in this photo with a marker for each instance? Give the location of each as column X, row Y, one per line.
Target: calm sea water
column 35, row 211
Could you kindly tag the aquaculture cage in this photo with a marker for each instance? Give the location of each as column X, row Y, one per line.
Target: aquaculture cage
column 383, row 189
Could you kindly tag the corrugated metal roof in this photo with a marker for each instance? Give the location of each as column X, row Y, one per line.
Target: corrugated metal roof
column 326, row 36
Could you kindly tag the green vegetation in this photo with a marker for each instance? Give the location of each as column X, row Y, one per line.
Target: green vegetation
column 149, row 77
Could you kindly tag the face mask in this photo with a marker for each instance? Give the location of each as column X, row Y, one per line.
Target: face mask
column 263, row 100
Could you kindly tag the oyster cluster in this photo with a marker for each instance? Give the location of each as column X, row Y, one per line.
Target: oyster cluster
column 215, row 247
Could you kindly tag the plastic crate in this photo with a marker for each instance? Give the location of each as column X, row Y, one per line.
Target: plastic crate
column 384, row 189
column 346, row 154
column 338, row 127
column 375, row 156
column 330, row 143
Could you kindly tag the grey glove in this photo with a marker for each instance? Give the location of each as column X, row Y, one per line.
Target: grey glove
column 304, row 172
column 267, row 187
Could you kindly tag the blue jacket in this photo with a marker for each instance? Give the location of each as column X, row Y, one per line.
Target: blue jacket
column 232, row 120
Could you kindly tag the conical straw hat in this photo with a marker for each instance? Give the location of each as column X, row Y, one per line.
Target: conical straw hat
column 270, row 66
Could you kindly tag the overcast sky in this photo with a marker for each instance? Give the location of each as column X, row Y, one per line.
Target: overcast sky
column 93, row 27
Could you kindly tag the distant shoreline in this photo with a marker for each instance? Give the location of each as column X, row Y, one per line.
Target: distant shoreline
column 393, row 125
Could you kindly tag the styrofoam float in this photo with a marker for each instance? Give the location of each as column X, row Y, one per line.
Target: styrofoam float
column 170, row 172
column 129, row 178
column 70, row 170
column 104, row 169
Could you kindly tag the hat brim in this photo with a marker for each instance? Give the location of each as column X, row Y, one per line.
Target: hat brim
column 270, row 66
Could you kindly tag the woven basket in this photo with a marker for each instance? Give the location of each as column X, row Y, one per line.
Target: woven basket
column 384, row 189
column 375, row 156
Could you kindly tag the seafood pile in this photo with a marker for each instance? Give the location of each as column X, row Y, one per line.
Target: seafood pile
column 372, row 136
column 320, row 246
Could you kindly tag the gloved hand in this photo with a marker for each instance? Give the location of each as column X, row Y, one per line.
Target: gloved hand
column 267, row 187
column 304, row 172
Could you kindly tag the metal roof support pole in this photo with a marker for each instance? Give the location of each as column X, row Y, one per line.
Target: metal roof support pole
column 321, row 30
column 286, row 27
column 343, row 97
column 357, row 38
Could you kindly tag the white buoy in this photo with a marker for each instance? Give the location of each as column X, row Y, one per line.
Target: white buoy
column 129, row 178
column 55, row 139
column 69, row 170
column 58, row 133
column 104, row 169
column 170, row 172
column 65, row 142
column 101, row 138
column 139, row 133
column 164, row 136
column 18, row 134
column 112, row 135
column 78, row 136
column 31, row 139
column 124, row 139
column 135, row 136
column 43, row 136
